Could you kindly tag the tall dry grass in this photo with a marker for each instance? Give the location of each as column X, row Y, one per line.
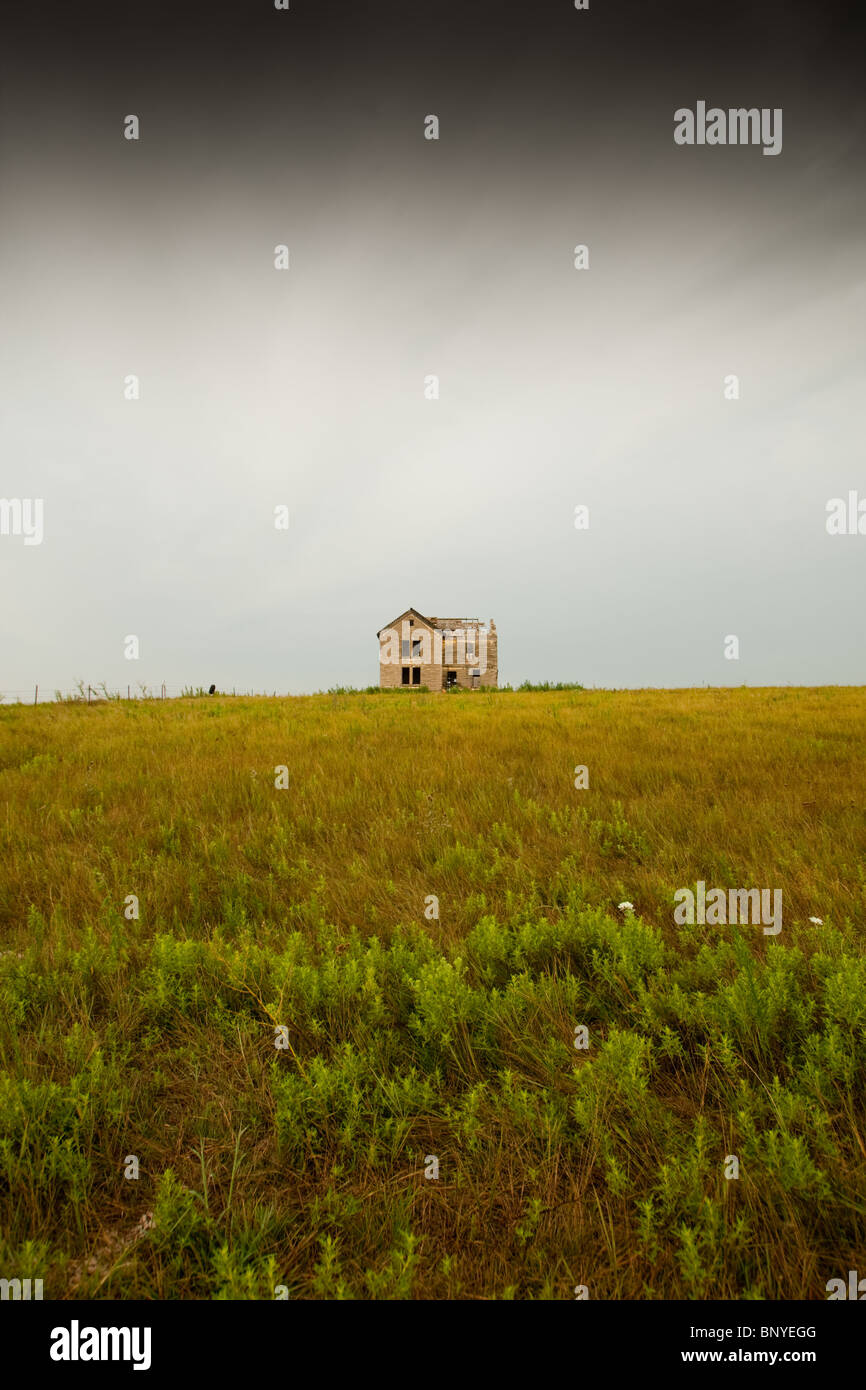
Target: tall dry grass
column 409, row 1037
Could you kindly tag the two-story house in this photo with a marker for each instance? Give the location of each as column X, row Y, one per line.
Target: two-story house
column 438, row 653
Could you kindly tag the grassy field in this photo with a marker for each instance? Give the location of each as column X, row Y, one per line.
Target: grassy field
column 296, row 915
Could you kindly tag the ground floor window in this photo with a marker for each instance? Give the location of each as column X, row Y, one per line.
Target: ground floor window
column 416, row 675
column 405, row 675
column 450, row 679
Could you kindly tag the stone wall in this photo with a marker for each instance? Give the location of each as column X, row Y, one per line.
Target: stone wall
column 433, row 672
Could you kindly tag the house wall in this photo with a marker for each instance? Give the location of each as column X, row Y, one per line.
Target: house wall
column 432, row 673
column 391, row 676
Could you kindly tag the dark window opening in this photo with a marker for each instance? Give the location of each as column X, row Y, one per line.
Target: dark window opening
column 416, row 675
column 450, row 680
column 405, row 675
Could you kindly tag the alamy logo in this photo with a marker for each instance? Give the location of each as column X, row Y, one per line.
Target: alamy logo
column 462, row 646
column 856, row 1287
column 737, row 126
column 101, row 1344
column 22, row 516
column 846, row 520
column 20, row 1288
column 717, row 908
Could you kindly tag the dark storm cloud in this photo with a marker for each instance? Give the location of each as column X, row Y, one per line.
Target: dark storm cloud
column 413, row 257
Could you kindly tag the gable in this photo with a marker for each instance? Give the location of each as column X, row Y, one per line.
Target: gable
column 409, row 613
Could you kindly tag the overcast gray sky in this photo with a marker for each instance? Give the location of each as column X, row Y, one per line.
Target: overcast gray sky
column 412, row 257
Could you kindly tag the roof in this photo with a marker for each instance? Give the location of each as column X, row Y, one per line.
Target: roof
column 431, row 622
column 440, row 624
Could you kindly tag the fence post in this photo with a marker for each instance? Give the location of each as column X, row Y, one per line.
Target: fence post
column 36, row 696
column 88, row 694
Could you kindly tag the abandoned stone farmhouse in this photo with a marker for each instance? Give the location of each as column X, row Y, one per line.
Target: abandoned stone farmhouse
column 438, row 653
